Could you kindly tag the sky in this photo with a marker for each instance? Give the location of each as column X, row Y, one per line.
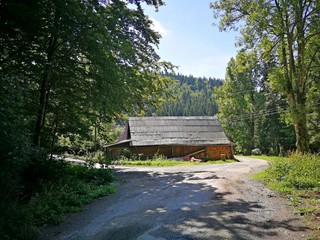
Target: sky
column 190, row 40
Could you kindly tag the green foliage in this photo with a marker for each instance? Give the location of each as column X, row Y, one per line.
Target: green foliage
column 188, row 96
column 16, row 222
column 15, row 145
column 150, row 163
column 161, row 161
column 83, row 145
column 75, row 144
column 236, row 102
column 67, row 68
column 267, row 158
column 277, row 79
column 296, row 172
column 98, row 157
column 104, row 133
column 65, row 189
column 284, row 35
column 299, row 178
column 313, row 116
column 250, row 112
column 78, row 62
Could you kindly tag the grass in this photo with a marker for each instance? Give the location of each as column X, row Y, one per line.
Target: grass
column 268, row 158
column 69, row 189
column 165, row 162
column 298, row 179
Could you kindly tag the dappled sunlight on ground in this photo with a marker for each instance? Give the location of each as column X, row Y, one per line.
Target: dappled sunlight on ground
column 184, row 203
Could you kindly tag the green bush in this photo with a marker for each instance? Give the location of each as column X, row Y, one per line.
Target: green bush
column 66, row 189
column 296, row 172
column 98, row 157
column 298, row 177
column 15, row 222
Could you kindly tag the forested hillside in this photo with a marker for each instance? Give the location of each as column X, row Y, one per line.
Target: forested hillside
column 189, row 96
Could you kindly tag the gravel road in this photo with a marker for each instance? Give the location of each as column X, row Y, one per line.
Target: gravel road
column 185, row 203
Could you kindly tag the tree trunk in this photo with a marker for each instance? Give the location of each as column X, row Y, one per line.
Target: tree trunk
column 45, row 83
column 302, row 138
column 299, row 119
column 44, row 93
column 251, row 136
column 252, row 122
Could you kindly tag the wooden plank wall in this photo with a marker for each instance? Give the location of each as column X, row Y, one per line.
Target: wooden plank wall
column 212, row 152
column 180, row 151
column 151, row 151
column 219, row 152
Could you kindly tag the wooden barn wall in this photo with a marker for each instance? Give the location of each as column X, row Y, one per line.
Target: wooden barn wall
column 150, row 151
column 115, row 152
column 180, row 151
column 168, row 151
column 219, row 152
column 213, row 152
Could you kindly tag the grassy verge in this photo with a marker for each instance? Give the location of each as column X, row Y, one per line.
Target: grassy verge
column 68, row 191
column 268, row 158
column 298, row 178
column 160, row 162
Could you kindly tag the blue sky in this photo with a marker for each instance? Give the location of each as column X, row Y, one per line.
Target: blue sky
column 190, row 40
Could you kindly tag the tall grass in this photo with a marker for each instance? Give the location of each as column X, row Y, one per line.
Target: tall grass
column 299, row 172
column 161, row 161
column 267, row 158
column 298, row 178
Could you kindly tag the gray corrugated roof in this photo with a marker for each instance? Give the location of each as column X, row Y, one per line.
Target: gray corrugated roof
column 192, row 131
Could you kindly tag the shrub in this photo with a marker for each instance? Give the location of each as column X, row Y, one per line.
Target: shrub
column 16, row 222
column 299, row 178
column 66, row 189
column 296, row 172
column 256, row 151
column 99, row 157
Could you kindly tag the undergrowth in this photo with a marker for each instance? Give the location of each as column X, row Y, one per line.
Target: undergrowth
column 298, row 178
column 160, row 161
column 71, row 188
column 267, row 158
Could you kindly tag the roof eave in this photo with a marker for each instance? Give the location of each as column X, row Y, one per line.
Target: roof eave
column 118, row 143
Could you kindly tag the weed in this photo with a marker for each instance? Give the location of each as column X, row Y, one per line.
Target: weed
column 298, row 177
column 268, row 158
column 15, row 222
column 66, row 190
column 160, row 161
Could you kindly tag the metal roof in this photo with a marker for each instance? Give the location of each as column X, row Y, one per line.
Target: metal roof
column 188, row 131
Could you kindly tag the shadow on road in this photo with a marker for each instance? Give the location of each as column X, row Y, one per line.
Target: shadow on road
column 188, row 206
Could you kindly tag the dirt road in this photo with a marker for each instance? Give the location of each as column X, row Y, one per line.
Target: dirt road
column 185, row 203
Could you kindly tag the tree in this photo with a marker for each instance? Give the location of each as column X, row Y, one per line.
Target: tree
column 64, row 65
column 189, row 96
column 250, row 112
column 80, row 60
column 313, row 106
column 284, row 30
column 313, row 116
column 236, row 101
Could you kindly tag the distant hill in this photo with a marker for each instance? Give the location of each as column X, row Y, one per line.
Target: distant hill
column 191, row 96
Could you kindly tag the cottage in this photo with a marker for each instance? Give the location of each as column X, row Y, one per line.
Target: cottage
column 187, row 137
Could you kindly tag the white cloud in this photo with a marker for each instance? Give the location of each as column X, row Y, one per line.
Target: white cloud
column 158, row 27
